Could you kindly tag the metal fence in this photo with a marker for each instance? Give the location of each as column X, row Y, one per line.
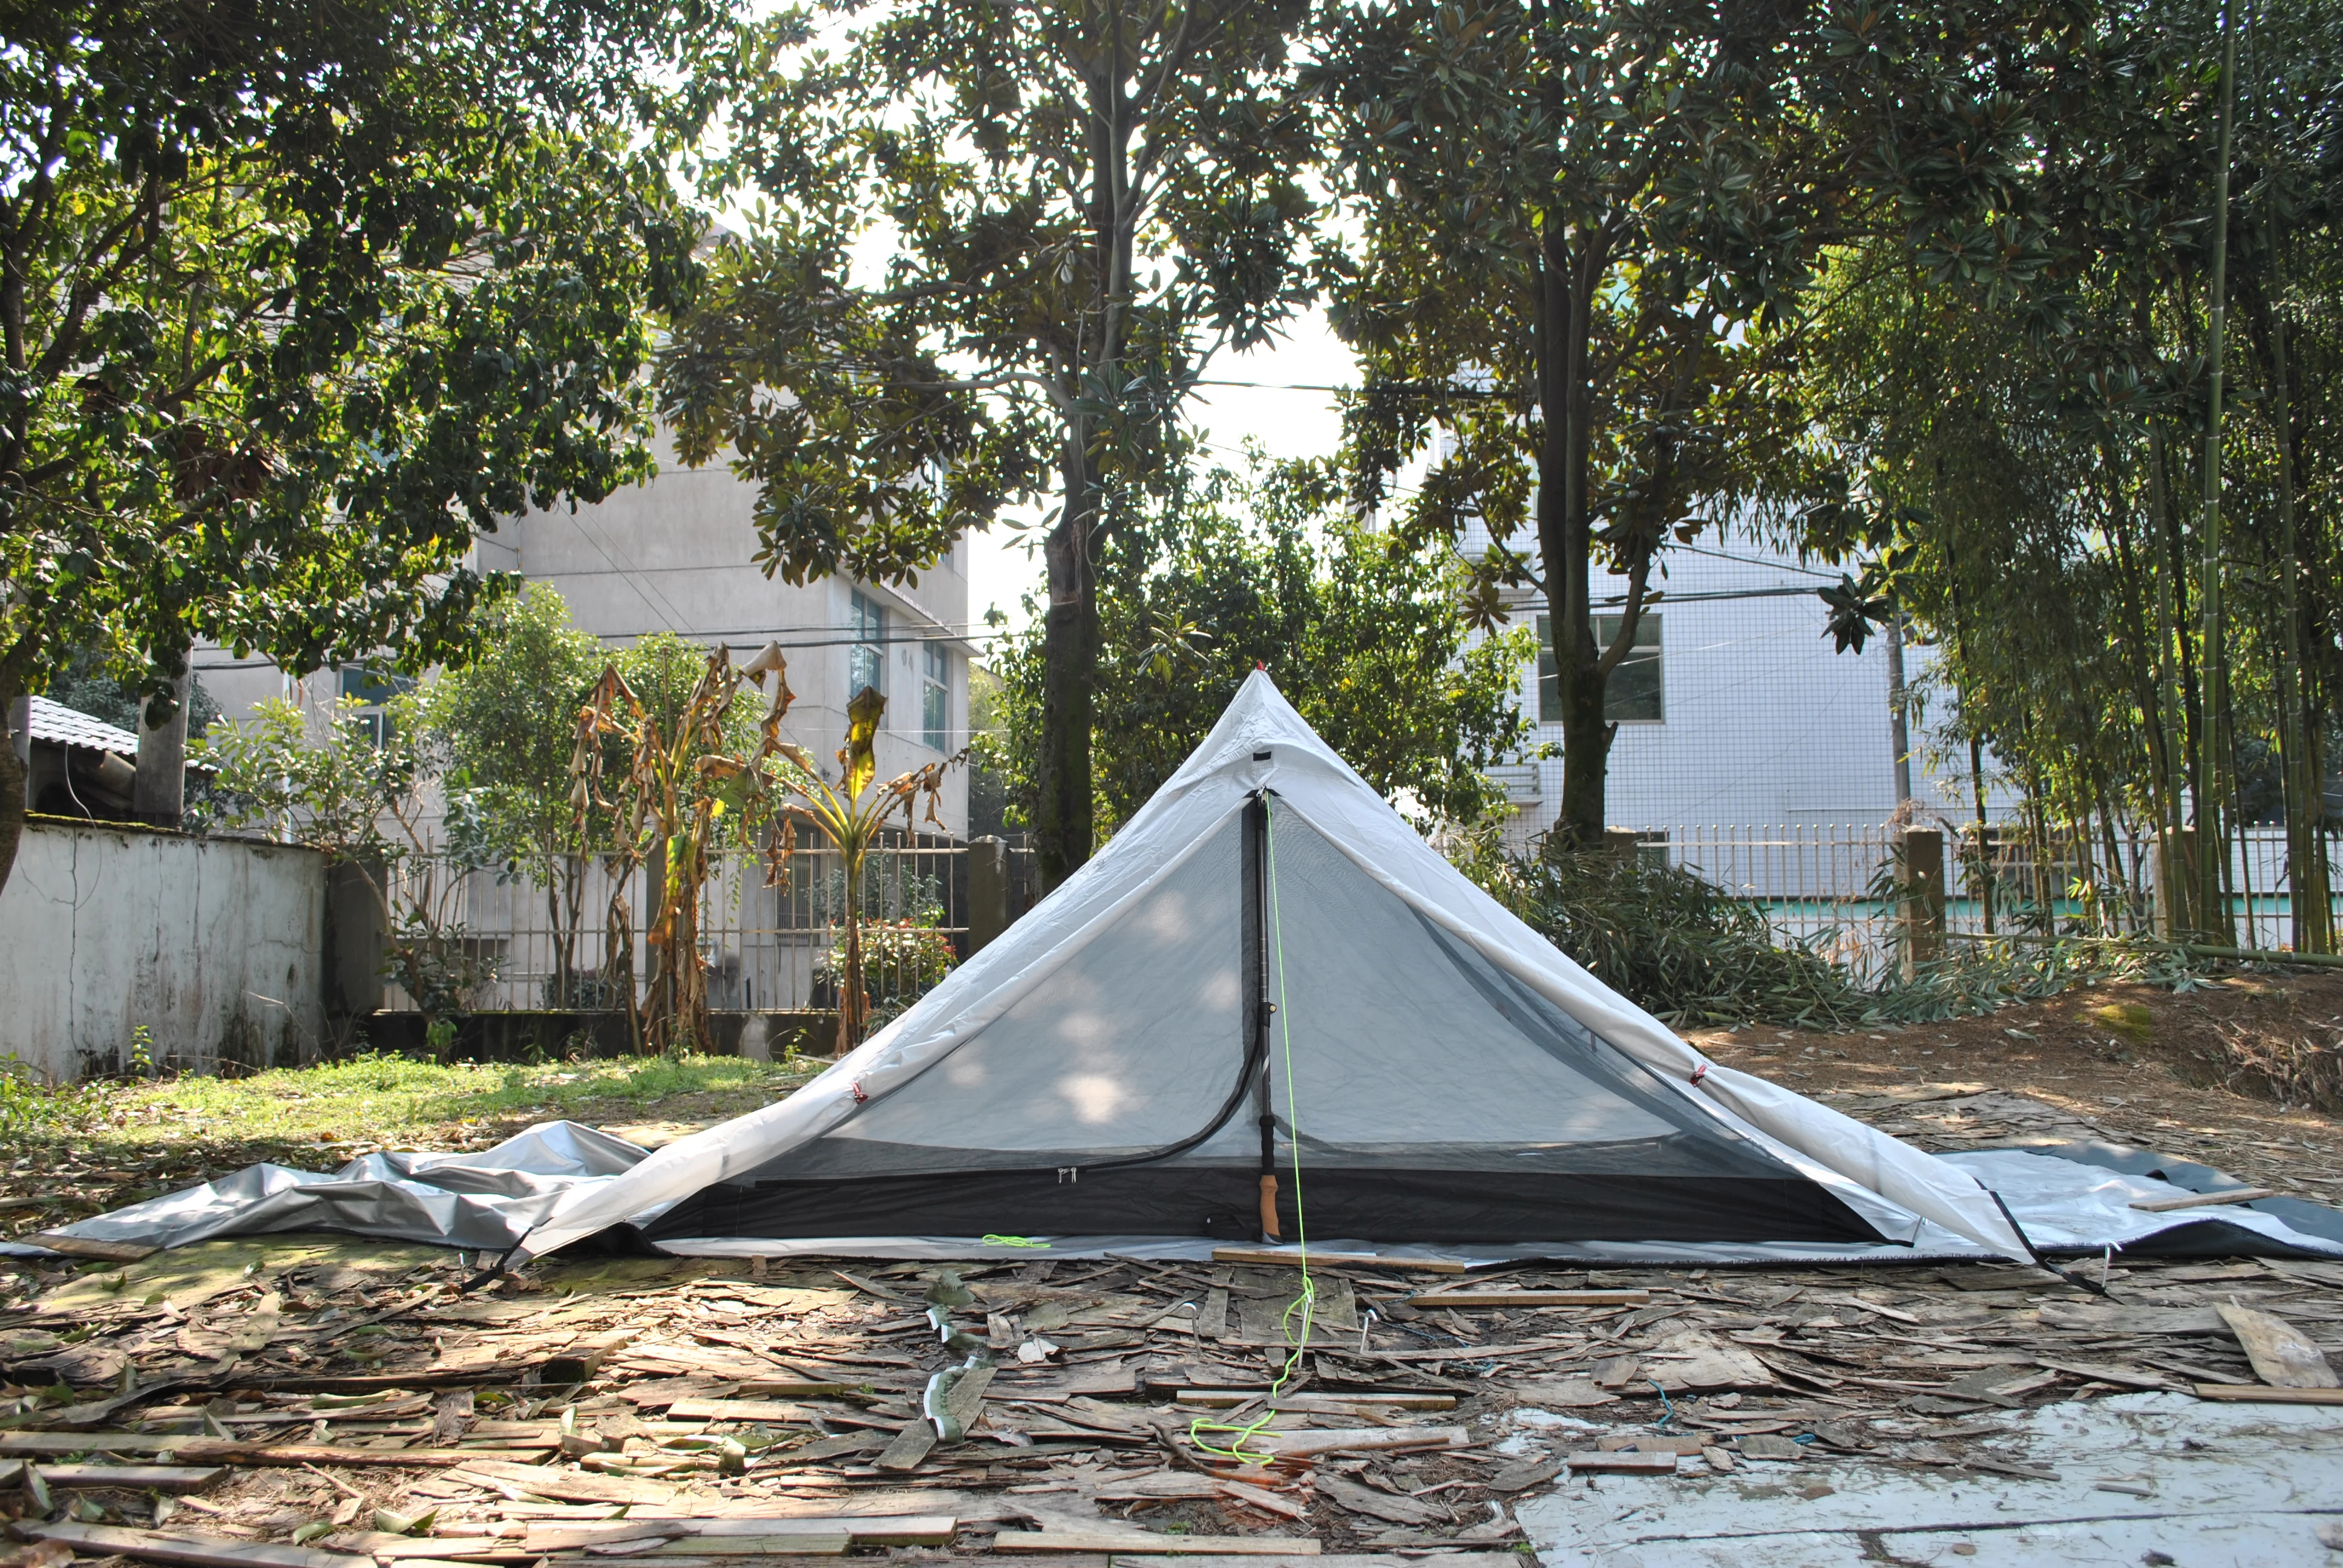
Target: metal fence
column 1836, row 887
column 541, row 935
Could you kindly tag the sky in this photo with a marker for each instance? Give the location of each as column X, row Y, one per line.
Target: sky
column 1287, row 423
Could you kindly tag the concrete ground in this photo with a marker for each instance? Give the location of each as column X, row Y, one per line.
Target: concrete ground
column 2149, row 1478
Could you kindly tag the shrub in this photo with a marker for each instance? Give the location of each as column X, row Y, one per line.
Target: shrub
column 1674, row 944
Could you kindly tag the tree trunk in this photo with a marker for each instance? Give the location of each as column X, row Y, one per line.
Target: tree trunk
column 1063, row 820
column 13, row 768
column 2305, row 869
column 1564, row 316
column 854, row 1000
column 2182, row 723
column 2215, row 808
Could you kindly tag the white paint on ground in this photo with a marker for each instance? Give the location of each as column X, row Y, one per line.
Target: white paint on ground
column 2227, row 1485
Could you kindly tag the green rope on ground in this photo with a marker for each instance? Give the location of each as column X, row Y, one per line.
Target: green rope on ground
column 1015, row 1241
column 1306, row 1303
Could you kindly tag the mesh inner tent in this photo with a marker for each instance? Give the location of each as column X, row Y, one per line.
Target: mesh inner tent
column 1129, row 1045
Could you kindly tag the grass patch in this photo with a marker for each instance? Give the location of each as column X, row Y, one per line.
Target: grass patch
column 82, row 1148
column 380, row 1099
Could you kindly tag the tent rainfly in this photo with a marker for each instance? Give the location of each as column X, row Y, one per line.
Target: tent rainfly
column 1267, row 1008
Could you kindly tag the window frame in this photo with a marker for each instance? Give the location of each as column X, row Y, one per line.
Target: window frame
column 935, row 696
column 1650, row 650
column 866, row 655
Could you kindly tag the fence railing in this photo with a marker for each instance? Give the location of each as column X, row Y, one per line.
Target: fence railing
column 542, row 935
column 1843, row 891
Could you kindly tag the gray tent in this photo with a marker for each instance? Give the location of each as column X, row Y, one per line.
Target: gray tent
column 1267, row 973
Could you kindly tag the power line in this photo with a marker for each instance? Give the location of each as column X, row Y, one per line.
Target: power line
column 844, row 640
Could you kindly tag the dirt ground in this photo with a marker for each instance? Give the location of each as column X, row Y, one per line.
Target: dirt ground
column 352, row 1404
column 2171, row 1072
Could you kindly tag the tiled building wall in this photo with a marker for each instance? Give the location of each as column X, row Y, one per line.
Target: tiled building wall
column 1764, row 722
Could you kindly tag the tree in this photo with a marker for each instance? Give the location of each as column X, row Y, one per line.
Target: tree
column 294, row 301
column 852, row 812
column 2026, row 473
column 353, row 794
column 498, row 732
column 1264, row 571
column 1574, row 218
column 1088, row 201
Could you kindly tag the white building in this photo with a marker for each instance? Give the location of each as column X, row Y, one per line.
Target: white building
column 1734, row 708
column 676, row 554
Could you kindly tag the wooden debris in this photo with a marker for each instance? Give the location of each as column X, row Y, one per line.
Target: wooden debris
column 1369, row 1439
column 130, row 1477
column 1529, row 1298
column 569, row 1486
column 2280, row 1353
column 723, row 1418
column 1365, row 1499
column 1335, row 1403
column 195, row 1551
column 1623, row 1462
column 2263, row 1393
column 1121, row 1543
column 1333, row 1260
column 1759, row 1446
column 2204, row 1200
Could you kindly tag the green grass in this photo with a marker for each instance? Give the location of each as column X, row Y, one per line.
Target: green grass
column 84, row 1147
column 382, row 1099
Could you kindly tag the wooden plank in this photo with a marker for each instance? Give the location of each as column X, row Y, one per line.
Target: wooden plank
column 735, row 1409
column 2254, row 1392
column 1213, row 1323
column 1625, row 1462
column 1332, row 1260
column 900, row 1530
column 1126, row 1543
column 565, row 1486
column 379, row 1544
column 1223, row 1397
column 222, row 1451
column 1469, row 1353
column 1468, row 1298
column 136, row 1477
column 753, row 1546
column 195, row 1551
column 2282, row 1357
column 1372, row 1439
column 2122, row 1377
column 910, row 1447
column 2204, row 1200
column 1110, row 1378
column 791, row 1388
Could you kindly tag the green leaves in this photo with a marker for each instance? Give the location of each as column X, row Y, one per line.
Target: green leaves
column 1361, row 634
column 305, row 302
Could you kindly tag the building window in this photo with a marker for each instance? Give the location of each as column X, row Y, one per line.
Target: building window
column 373, row 689
column 935, row 698
column 1634, row 693
column 867, row 664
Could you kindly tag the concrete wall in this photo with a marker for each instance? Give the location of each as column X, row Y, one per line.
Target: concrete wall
column 216, row 946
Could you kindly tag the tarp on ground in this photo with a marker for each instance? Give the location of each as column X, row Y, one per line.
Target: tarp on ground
column 1268, row 973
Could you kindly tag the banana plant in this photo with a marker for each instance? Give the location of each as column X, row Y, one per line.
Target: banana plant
column 683, row 780
column 852, row 811
column 671, row 801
